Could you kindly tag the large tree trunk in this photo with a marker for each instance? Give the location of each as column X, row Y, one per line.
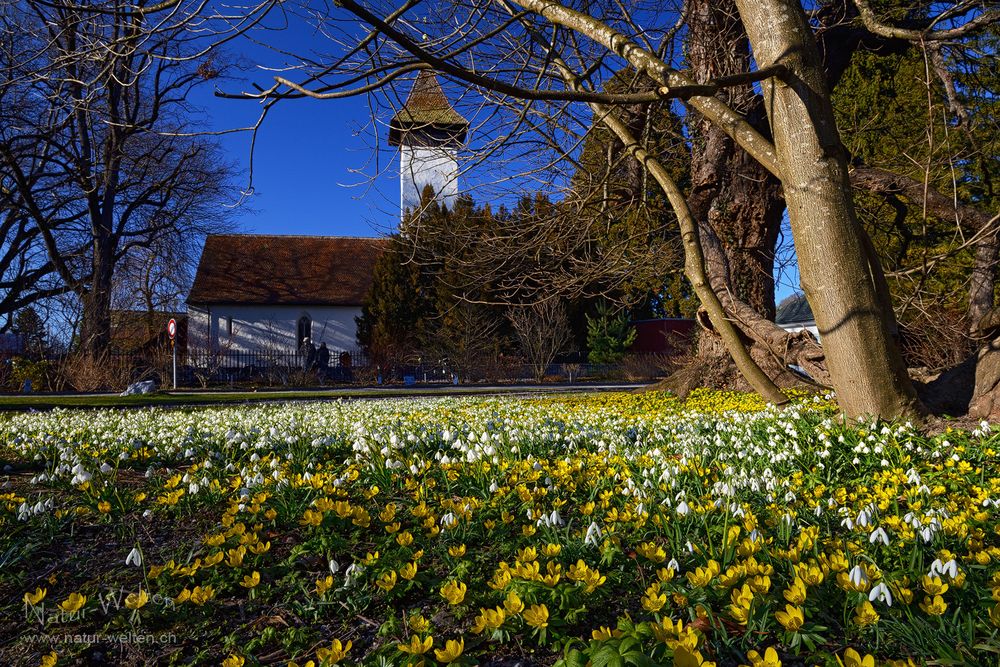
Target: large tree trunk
column 737, row 204
column 733, row 197
column 95, row 327
column 841, row 278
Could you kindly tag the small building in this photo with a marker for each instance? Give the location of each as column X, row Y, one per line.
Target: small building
column 261, row 293
column 258, row 293
column 794, row 314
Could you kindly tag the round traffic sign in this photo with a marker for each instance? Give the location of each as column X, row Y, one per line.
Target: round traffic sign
column 172, row 328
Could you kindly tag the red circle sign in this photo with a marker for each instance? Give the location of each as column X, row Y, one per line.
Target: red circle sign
column 172, row 328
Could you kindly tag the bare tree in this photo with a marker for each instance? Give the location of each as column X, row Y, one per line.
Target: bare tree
column 543, row 330
column 99, row 155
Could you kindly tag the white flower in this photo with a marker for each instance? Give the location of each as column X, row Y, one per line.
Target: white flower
column 879, row 535
column 858, row 576
column 683, row 508
column 593, row 534
column 881, row 593
column 334, row 566
column 134, row 557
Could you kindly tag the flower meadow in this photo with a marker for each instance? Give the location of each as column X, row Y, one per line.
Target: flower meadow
column 601, row 529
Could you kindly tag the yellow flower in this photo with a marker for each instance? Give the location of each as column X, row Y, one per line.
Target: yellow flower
column 527, row 554
column 995, row 615
column 513, row 604
column 451, row 652
column 684, row 657
column 665, row 574
column 740, row 608
column 137, row 600
column 311, row 518
column 702, row 576
column 537, row 616
column 865, row 614
column 335, row 653
column 417, row 646
column 408, row 571
column 49, row 659
column 605, row 633
column 36, row 597
column 769, row 659
column 73, row 603
column 251, row 580
column 796, row 593
column 200, row 596
column 792, row 618
column 551, row 550
column 213, row 559
column 235, row 556
column 454, row 592
column 233, row 661
column 323, row 585
column 370, row 559
column 387, row 581
column 935, row 606
column 853, row 659
column 456, row 552
column 404, row 539
column 104, row 506
column 653, row 600
column 934, row 586
column 652, row 551
column 489, row 619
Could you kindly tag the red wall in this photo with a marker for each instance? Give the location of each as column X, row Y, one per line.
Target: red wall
column 667, row 336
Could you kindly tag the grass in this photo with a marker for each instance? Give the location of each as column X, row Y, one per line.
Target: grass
column 20, row 402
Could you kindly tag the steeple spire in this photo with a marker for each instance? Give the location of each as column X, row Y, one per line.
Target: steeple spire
column 428, row 132
column 427, row 115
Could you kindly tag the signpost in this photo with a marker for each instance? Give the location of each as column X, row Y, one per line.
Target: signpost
column 172, row 332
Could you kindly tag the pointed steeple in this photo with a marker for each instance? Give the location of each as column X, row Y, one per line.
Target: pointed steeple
column 427, row 118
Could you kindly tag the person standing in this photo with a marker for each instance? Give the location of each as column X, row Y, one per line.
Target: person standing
column 323, row 360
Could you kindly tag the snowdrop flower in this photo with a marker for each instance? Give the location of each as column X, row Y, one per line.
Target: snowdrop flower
column 950, row 568
column 334, row 566
column 674, row 565
column 593, row 534
column 134, row 557
column 858, row 576
column 683, row 508
column 879, row 535
column 881, row 593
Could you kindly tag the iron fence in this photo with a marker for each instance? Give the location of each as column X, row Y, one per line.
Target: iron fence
column 205, row 368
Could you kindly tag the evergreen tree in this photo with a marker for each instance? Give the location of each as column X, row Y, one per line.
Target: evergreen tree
column 608, row 336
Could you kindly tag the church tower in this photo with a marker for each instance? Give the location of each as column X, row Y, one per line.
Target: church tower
column 429, row 133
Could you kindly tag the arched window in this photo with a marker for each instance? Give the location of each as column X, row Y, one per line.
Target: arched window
column 304, row 330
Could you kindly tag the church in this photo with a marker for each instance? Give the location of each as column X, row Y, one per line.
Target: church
column 268, row 293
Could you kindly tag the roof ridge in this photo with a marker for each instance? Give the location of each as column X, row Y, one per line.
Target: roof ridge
column 305, row 236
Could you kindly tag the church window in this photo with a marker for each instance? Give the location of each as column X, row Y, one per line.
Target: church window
column 304, row 330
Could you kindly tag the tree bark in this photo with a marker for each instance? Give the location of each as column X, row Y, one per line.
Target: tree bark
column 733, row 198
column 842, row 280
column 95, row 326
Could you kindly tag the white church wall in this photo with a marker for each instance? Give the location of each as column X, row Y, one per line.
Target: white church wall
column 422, row 166
column 270, row 328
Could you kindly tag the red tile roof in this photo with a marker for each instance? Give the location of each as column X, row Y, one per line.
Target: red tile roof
column 295, row 270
